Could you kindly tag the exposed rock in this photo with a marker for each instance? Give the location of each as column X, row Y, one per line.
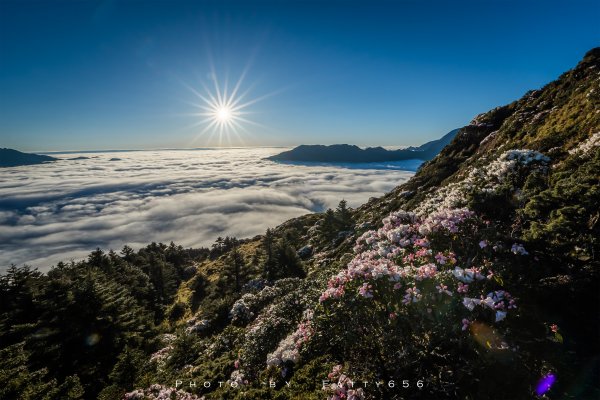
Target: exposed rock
column 305, row 252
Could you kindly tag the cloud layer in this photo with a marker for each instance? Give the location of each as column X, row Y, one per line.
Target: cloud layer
column 63, row 210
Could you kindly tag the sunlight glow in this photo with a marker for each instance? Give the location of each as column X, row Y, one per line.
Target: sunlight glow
column 223, row 111
column 223, row 114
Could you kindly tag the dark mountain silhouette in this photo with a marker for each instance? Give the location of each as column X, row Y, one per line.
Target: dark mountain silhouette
column 14, row 158
column 354, row 154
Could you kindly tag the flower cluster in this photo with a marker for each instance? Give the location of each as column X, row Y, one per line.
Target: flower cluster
column 343, row 386
column 237, row 379
column 444, row 220
column 413, row 295
column 499, row 301
column 467, row 275
column 159, row 392
column 397, row 265
column 402, row 238
column 240, row 312
column 485, row 179
column 162, row 355
column 289, row 348
column 245, row 308
column 365, row 290
column 265, row 337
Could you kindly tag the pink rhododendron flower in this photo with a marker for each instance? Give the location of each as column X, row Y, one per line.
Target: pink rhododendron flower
column 335, row 372
column 413, row 295
column 470, row 303
column 465, row 324
column 421, row 242
column 365, row 291
column 440, row 258
column 443, row 289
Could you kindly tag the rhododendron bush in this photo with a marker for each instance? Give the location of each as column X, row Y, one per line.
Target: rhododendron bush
column 416, row 285
column 407, row 264
column 505, row 173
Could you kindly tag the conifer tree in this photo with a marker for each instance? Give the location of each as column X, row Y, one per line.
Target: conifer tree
column 329, row 224
column 270, row 262
column 18, row 382
column 235, row 269
column 343, row 215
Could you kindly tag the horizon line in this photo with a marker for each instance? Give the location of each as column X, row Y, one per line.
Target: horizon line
column 199, row 148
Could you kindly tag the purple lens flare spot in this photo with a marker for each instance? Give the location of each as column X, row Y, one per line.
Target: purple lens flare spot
column 545, row 384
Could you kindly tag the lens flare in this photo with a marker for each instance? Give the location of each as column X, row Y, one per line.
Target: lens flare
column 545, row 383
column 92, row 339
column 487, row 337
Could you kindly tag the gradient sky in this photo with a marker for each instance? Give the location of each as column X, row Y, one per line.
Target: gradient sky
column 115, row 74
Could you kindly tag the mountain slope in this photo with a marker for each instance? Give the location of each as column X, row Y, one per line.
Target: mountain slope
column 476, row 279
column 528, row 174
column 351, row 153
column 491, row 267
column 554, row 119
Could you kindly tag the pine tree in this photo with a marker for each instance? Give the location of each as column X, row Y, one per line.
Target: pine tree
column 96, row 258
column 329, row 224
column 217, row 248
column 343, row 216
column 85, row 323
column 127, row 253
column 270, row 263
column 127, row 368
column 287, row 261
column 18, row 382
column 18, row 290
column 235, row 270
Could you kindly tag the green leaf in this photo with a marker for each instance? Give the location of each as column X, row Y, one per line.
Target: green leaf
column 558, row 337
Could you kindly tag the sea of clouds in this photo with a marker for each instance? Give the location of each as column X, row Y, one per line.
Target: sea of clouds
column 63, row 210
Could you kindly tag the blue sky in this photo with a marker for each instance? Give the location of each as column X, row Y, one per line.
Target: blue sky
column 116, row 74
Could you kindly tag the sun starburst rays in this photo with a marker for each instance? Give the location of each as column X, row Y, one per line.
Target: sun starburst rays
column 223, row 111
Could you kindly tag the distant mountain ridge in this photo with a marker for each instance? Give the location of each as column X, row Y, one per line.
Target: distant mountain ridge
column 15, row 158
column 354, row 154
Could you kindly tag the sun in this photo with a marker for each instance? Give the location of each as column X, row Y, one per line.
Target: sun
column 223, row 111
column 223, row 114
